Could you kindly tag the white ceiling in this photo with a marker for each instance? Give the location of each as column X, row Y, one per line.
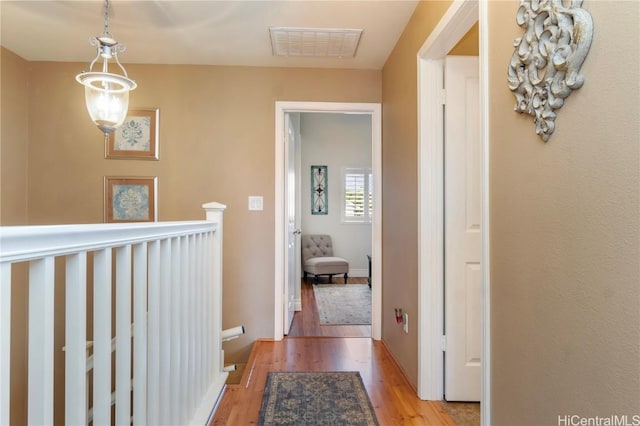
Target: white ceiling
column 209, row 32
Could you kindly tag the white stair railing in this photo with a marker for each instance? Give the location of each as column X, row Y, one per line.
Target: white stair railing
column 168, row 283
column 89, row 367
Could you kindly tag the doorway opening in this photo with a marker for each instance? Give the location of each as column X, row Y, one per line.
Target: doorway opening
column 282, row 204
column 333, row 156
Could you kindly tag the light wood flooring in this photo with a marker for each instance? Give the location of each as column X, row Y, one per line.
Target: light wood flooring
column 313, row 347
column 306, row 323
column 394, row 400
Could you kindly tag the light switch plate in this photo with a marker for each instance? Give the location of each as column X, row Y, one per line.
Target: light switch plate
column 255, row 203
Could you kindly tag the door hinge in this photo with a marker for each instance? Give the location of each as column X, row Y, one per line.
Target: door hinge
column 443, row 97
column 443, row 343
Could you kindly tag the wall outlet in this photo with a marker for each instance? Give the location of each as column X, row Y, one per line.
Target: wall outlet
column 405, row 322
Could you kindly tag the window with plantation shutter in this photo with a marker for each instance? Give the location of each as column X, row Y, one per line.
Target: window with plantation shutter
column 357, row 195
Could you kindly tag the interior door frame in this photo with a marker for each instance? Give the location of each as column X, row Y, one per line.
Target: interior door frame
column 375, row 110
column 455, row 23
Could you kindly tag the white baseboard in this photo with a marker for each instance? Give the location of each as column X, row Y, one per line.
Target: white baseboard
column 297, row 305
column 358, row 272
column 209, row 404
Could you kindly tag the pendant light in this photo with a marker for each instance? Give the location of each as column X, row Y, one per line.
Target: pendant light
column 106, row 94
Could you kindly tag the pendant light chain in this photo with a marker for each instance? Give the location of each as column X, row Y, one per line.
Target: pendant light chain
column 106, row 19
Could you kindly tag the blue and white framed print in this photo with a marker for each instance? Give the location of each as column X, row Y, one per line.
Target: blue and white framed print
column 130, row 199
column 137, row 138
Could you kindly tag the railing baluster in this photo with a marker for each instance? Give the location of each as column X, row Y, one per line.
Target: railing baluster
column 204, row 293
column 140, row 334
column 176, row 361
column 165, row 328
column 200, row 319
column 153, row 339
column 191, row 396
column 76, row 339
column 41, row 303
column 5, row 343
column 216, row 299
column 208, row 295
column 183, row 288
column 102, row 337
column 123, row 335
column 216, row 319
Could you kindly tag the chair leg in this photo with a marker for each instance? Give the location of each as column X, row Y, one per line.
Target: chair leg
column 345, row 278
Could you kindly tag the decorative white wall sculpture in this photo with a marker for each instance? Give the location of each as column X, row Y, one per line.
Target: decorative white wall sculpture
column 545, row 66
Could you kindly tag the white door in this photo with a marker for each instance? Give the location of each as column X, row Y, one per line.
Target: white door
column 462, row 238
column 292, row 257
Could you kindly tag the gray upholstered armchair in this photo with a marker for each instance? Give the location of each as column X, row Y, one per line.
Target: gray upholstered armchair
column 318, row 258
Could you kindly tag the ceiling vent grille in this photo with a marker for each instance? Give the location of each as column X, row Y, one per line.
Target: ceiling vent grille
column 314, row 42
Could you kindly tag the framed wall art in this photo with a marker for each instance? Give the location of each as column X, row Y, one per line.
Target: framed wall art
column 319, row 181
column 137, row 138
column 130, row 199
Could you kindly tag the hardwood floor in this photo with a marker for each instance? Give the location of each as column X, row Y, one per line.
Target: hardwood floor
column 306, row 323
column 394, row 400
column 313, row 347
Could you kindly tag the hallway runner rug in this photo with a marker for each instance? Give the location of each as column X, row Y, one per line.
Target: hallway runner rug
column 316, row 398
column 343, row 304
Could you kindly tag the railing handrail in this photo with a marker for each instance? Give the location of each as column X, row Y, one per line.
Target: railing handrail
column 24, row 243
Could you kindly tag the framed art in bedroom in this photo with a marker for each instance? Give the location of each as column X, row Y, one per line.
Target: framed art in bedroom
column 130, row 199
column 319, row 184
column 137, row 138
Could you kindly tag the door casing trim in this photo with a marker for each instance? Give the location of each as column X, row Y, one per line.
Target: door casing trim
column 455, row 23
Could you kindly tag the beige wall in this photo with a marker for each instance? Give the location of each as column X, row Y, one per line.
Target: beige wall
column 400, row 181
column 14, row 147
column 217, row 129
column 565, row 233
column 14, row 108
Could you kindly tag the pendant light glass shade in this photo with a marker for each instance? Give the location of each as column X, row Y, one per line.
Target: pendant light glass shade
column 107, row 98
column 106, row 94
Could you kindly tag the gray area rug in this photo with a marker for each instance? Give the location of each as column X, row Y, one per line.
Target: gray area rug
column 316, row 398
column 343, row 304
